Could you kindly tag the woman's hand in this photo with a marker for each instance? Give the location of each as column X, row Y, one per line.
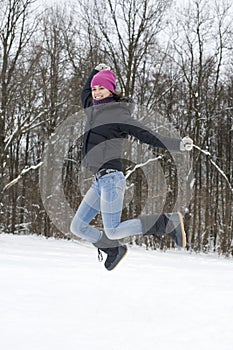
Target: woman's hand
column 102, row 66
column 186, row 144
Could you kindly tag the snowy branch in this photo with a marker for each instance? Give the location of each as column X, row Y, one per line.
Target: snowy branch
column 23, row 172
column 129, row 172
column 207, row 153
column 24, row 127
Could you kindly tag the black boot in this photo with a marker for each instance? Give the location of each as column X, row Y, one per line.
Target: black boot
column 114, row 250
column 170, row 224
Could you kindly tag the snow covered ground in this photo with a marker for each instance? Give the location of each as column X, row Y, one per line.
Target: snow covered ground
column 56, row 296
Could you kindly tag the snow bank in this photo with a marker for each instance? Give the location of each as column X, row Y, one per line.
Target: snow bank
column 56, row 296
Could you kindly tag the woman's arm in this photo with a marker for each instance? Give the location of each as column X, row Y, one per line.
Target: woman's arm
column 86, row 96
column 154, row 139
column 134, row 128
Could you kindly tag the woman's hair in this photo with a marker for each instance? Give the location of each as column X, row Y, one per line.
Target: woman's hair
column 117, row 95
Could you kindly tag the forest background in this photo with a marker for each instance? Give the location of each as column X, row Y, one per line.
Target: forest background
column 172, row 59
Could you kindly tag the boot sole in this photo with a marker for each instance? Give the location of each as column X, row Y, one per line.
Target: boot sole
column 116, row 262
column 182, row 230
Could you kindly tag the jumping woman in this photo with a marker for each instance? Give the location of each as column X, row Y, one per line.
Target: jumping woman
column 109, row 121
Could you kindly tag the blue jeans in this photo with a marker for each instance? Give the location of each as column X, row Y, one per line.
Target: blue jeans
column 106, row 196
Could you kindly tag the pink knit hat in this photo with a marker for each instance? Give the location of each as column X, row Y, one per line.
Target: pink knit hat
column 105, row 78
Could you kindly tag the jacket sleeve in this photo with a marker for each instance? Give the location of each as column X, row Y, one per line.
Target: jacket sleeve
column 145, row 135
column 86, row 96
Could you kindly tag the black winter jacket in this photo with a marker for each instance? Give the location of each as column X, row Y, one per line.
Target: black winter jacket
column 107, row 125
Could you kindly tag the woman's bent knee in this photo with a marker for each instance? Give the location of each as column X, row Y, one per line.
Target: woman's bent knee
column 78, row 227
column 111, row 233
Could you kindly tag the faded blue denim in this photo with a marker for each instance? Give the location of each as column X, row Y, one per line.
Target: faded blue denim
column 106, row 196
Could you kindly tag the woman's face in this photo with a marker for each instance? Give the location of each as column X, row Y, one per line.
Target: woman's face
column 100, row 92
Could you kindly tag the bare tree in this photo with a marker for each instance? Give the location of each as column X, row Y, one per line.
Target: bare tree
column 200, row 51
column 15, row 32
column 127, row 34
column 182, row 74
